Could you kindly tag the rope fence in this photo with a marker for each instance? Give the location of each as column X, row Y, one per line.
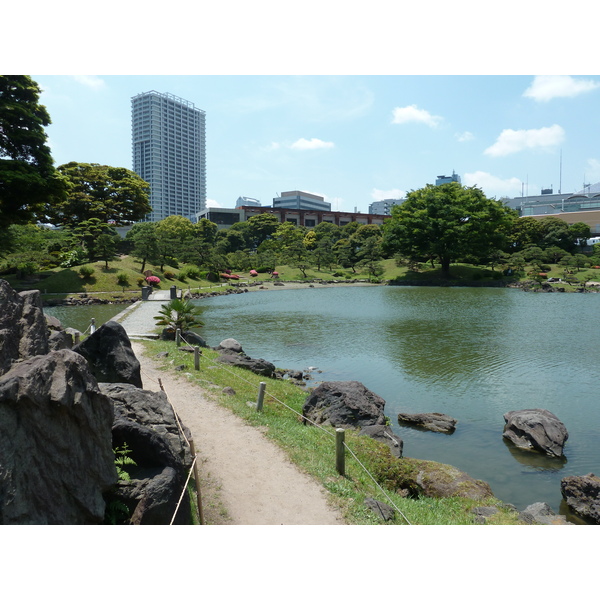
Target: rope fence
column 339, row 434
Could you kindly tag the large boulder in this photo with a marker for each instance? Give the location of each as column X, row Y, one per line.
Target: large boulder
column 582, row 495
column 344, row 404
column 110, row 356
column 23, row 329
column 536, row 429
column 147, row 424
column 151, row 410
column 56, row 457
column 432, row 421
column 540, row 513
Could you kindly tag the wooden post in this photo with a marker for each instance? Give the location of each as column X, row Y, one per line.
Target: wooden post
column 197, row 480
column 196, row 358
column 178, row 336
column 76, row 338
column 340, row 455
column 261, row 396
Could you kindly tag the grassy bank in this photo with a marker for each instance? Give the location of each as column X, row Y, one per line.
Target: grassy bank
column 313, row 449
column 123, row 278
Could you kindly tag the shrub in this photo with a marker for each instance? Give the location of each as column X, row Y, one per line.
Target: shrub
column 140, row 281
column 86, row 271
column 182, row 275
column 123, row 279
column 153, row 280
column 191, row 272
column 169, row 274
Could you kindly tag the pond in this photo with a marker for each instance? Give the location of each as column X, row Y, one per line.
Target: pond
column 472, row 353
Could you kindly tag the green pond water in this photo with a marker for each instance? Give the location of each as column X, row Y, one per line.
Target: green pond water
column 472, row 353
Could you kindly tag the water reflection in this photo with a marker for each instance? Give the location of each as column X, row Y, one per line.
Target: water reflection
column 533, row 459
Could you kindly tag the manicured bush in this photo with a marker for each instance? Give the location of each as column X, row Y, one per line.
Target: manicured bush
column 169, row 275
column 153, row 280
column 86, row 271
column 123, row 279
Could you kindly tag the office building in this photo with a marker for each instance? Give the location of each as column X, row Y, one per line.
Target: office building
column 301, row 201
column 169, row 152
column 384, row 207
column 245, row 201
column 441, row 179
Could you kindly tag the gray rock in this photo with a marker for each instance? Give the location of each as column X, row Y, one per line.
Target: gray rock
column 193, row 338
column 230, row 345
column 540, row 513
column 256, row 365
column 536, row 429
column 384, row 433
column 56, row 457
column 344, row 404
column 60, row 340
column 151, row 410
column 382, row 510
column 582, row 495
column 109, row 354
column 23, row 329
column 432, row 421
column 483, row 513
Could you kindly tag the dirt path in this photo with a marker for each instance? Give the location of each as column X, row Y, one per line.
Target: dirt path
column 246, row 479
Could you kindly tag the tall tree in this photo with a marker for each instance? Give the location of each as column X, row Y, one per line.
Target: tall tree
column 102, row 192
column 447, row 222
column 29, row 183
column 145, row 245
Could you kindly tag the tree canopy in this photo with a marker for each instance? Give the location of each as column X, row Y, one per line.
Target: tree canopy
column 29, row 184
column 102, row 192
column 447, row 222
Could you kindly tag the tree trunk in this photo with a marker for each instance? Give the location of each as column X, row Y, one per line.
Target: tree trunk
column 445, row 261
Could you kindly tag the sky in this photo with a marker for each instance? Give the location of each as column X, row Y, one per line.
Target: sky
column 353, row 139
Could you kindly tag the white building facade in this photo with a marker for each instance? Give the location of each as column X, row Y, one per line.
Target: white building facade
column 169, row 152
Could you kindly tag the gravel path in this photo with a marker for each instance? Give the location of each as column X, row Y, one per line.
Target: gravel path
column 246, row 479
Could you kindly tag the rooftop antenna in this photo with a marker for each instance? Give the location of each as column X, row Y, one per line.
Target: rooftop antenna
column 560, row 174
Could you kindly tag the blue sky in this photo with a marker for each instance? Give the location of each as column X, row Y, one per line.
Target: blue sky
column 353, row 139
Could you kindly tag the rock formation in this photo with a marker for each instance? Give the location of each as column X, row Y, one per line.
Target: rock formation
column 56, row 457
column 582, row 495
column 432, row 421
column 536, row 429
column 58, row 426
column 108, row 351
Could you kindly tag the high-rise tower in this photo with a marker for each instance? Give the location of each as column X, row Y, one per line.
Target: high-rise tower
column 169, row 152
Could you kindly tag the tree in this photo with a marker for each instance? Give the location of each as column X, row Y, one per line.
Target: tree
column 102, row 192
column 172, row 235
column 29, row 183
column 88, row 233
column 260, row 228
column 106, row 247
column 447, row 222
column 145, row 244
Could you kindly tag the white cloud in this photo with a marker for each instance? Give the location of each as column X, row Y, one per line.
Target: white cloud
column 491, row 185
column 212, row 204
column 395, row 194
column 312, row 144
column 547, row 87
column 92, row 81
column 511, row 140
column 467, row 136
column 413, row 114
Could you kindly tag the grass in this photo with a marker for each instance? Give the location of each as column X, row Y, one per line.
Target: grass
column 312, row 448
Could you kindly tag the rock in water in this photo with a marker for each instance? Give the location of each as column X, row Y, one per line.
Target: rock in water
column 433, row 421
column 344, row 404
column 536, row 429
column 109, row 354
column 582, row 494
column 56, row 457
